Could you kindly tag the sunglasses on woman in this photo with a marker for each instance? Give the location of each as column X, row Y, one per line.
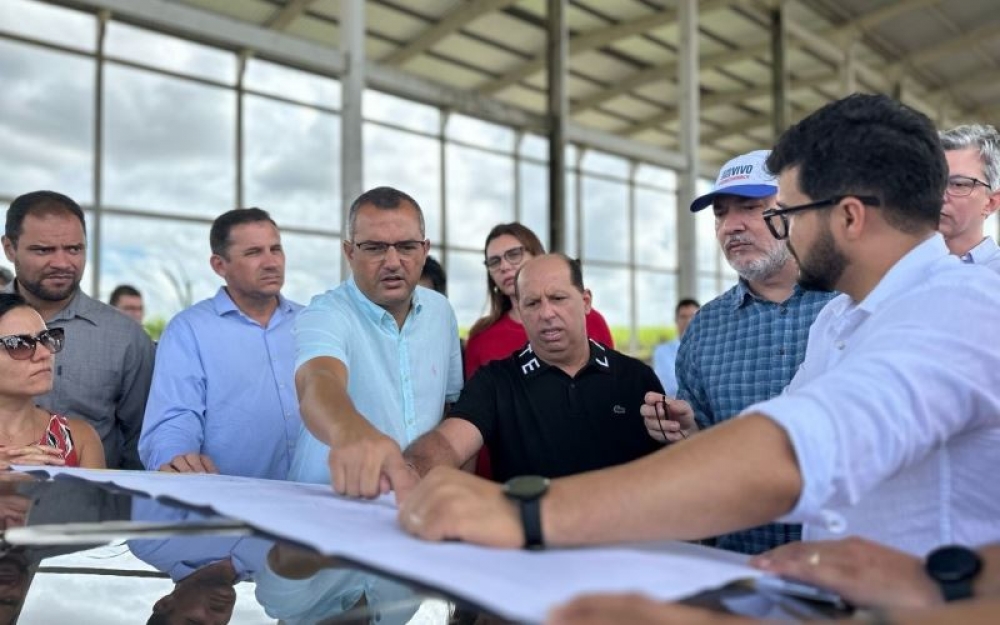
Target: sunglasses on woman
column 22, row 346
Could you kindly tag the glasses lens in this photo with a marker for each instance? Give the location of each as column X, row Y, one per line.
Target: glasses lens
column 52, row 339
column 961, row 187
column 514, row 255
column 19, row 347
column 492, row 262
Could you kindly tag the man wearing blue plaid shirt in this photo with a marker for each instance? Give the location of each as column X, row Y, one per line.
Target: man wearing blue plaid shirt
column 745, row 345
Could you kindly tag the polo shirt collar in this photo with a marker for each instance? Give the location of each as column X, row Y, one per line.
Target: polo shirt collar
column 530, row 365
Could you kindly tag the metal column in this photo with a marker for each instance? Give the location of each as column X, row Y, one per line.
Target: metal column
column 96, row 226
column 688, row 103
column 352, row 47
column 779, row 73
column 557, row 57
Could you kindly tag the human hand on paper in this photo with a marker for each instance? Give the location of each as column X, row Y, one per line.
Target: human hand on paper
column 861, row 571
column 367, row 464
column 189, row 463
column 36, row 454
column 450, row 504
column 636, row 610
column 667, row 420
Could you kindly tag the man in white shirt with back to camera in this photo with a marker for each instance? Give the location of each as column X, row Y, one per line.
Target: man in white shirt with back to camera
column 890, row 430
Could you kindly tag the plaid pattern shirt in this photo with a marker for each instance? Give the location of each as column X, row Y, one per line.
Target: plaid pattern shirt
column 740, row 350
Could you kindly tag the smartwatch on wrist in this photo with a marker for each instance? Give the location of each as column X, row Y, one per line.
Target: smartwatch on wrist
column 954, row 569
column 527, row 492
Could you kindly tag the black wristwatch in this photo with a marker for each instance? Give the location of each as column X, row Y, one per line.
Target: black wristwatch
column 954, row 569
column 527, row 491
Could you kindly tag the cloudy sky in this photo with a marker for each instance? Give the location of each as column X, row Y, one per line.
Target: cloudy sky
column 169, row 149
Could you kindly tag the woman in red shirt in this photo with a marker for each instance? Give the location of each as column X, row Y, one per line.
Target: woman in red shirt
column 499, row 333
column 28, row 434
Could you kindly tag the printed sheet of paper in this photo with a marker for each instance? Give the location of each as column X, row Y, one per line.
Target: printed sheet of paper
column 519, row 585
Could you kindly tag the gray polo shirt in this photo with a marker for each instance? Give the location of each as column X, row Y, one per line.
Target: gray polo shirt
column 102, row 375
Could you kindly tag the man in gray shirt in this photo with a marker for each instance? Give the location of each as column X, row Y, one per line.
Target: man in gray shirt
column 104, row 371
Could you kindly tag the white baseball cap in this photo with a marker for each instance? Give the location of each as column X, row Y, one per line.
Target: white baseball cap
column 745, row 176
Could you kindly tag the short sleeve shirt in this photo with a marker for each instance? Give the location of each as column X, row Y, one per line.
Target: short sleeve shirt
column 537, row 420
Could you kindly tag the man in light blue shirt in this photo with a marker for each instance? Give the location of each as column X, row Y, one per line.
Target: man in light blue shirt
column 972, row 194
column 223, row 394
column 665, row 355
column 378, row 357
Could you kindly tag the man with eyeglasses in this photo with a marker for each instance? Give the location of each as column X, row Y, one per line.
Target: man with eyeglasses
column 745, row 345
column 889, row 430
column 973, row 192
column 102, row 374
column 378, row 357
column 223, row 395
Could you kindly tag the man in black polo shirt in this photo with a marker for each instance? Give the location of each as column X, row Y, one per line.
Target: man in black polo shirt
column 561, row 405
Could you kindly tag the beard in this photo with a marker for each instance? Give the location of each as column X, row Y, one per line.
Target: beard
column 822, row 268
column 48, row 294
column 762, row 268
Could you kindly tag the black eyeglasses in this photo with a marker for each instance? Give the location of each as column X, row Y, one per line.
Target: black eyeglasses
column 379, row 249
column 512, row 256
column 777, row 218
column 22, row 346
column 963, row 186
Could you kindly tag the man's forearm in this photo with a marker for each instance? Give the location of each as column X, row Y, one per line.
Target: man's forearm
column 431, row 450
column 741, row 474
column 327, row 410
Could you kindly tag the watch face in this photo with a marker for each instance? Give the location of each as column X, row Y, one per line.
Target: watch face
column 950, row 564
column 526, row 487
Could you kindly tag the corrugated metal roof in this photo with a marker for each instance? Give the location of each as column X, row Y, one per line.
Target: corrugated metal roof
column 942, row 57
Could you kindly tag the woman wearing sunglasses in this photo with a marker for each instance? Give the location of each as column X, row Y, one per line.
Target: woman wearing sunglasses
column 29, row 434
column 499, row 333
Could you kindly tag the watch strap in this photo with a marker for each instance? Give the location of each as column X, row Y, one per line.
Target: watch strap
column 531, row 521
column 957, row 589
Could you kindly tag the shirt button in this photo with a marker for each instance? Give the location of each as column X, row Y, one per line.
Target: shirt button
column 781, row 352
column 835, row 522
column 783, row 310
column 840, row 345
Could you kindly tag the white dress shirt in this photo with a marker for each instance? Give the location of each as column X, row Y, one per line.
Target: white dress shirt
column 894, row 415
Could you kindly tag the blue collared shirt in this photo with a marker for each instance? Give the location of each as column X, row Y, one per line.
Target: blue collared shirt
column 741, row 349
column 664, row 361
column 224, row 386
column 398, row 378
column 986, row 253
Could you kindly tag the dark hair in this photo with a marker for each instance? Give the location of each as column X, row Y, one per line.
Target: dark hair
column 575, row 272
column 869, row 145
column 39, row 203
column 386, row 198
column 434, row 272
column 687, row 301
column 10, row 301
column 500, row 303
column 123, row 290
column 223, row 226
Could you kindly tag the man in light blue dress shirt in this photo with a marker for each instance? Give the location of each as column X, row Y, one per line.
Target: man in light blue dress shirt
column 378, row 357
column 665, row 355
column 223, row 394
column 972, row 194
